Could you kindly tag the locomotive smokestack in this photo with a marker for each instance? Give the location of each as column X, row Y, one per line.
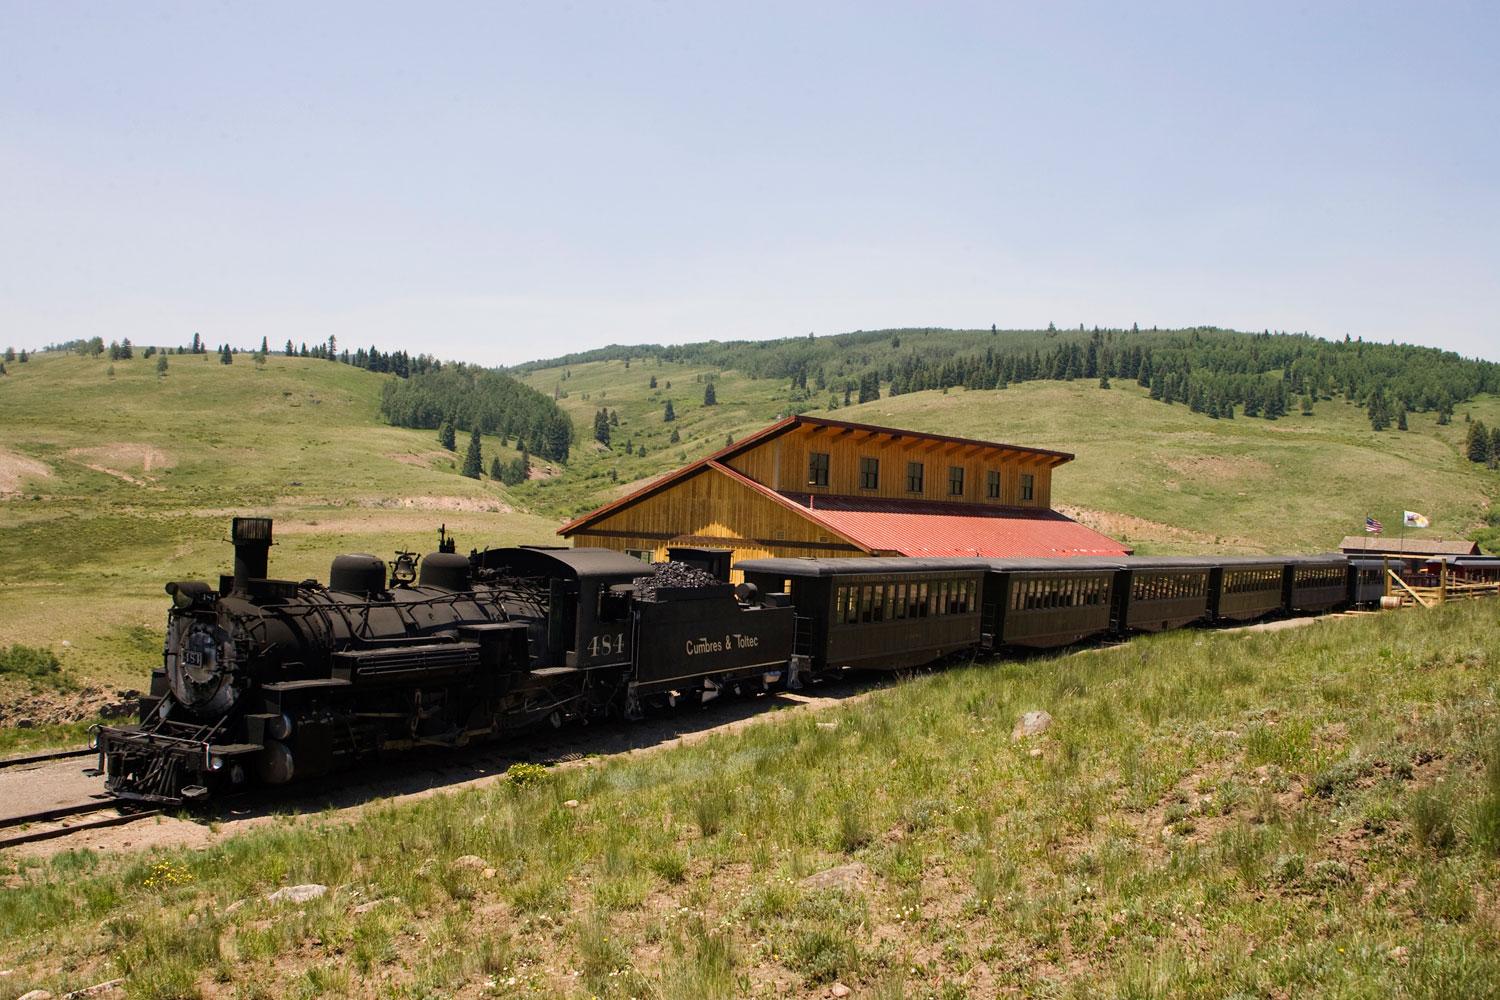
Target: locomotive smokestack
column 252, row 549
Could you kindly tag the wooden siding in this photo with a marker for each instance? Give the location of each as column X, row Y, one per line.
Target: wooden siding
column 712, row 509
column 782, row 464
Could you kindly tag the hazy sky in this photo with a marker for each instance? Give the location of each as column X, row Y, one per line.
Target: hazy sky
column 500, row 182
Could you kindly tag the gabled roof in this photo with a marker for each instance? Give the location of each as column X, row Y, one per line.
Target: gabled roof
column 780, row 427
column 1408, row 546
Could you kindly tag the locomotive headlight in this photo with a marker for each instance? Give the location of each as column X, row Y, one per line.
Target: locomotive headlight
column 215, row 763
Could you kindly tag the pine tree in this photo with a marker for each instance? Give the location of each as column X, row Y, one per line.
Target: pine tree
column 290, row 350
column 1379, row 410
column 198, row 347
column 24, row 357
column 675, row 438
column 10, row 354
column 653, row 382
column 601, row 428
column 1307, row 406
column 1477, row 442
column 226, row 357
column 265, row 348
column 847, row 390
column 709, row 399
column 161, row 366
column 668, row 415
column 1494, row 448
column 2, row 368
column 629, row 447
column 1104, row 381
column 473, row 460
column 446, row 436
column 614, row 418
column 495, row 471
column 1401, row 417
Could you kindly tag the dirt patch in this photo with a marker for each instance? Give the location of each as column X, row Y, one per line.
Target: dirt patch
column 1218, row 468
column 134, row 463
column 423, row 459
column 15, row 470
column 1139, row 529
column 470, row 505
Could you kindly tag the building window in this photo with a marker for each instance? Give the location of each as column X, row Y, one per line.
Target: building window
column 869, row 473
column 992, row 484
column 817, row 469
column 955, row 480
column 1028, row 486
column 914, row 477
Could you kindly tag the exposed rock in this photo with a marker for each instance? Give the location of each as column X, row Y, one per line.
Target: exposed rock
column 297, row 893
column 571, row 804
column 95, row 990
column 839, row 990
column 846, row 877
column 35, row 995
column 372, row 904
column 1035, row 752
column 427, row 867
column 1031, row 724
column 471, row 863
column 828, row 725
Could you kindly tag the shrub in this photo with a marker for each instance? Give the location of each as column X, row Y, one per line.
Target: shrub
column 522, row 775
column 29, row 662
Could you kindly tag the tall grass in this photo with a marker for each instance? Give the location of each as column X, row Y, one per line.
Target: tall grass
column 1129, row 858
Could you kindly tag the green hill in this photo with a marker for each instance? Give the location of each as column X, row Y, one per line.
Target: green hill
column 1159, row 476
column 115, row 480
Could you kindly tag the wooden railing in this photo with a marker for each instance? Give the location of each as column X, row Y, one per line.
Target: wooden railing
column 1448, row 589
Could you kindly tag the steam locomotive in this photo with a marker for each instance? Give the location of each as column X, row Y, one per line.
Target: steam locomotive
column 265, row 681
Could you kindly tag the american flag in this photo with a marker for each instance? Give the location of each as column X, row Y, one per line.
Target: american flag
column 1373, row 526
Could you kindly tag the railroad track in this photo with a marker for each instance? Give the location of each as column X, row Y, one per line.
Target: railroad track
column 59, row 814
column 40, row 758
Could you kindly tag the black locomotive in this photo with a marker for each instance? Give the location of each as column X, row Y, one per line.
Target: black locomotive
column 267, row 681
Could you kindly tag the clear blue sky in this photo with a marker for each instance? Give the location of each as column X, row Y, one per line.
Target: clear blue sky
column 499, row 182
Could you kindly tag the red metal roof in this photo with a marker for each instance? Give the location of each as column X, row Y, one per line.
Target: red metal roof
column 925, row 528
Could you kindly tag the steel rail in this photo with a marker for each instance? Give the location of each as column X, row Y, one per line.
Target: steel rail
column 52, row 833
column 39, row 758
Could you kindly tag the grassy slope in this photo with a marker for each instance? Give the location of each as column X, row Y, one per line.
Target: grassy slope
column 1164, row 478
column 86, row 551
column 1310, row 812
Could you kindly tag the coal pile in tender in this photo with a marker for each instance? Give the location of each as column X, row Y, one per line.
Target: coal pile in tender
column 668, row 575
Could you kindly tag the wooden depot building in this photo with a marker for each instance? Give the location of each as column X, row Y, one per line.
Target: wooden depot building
column 812, row 487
